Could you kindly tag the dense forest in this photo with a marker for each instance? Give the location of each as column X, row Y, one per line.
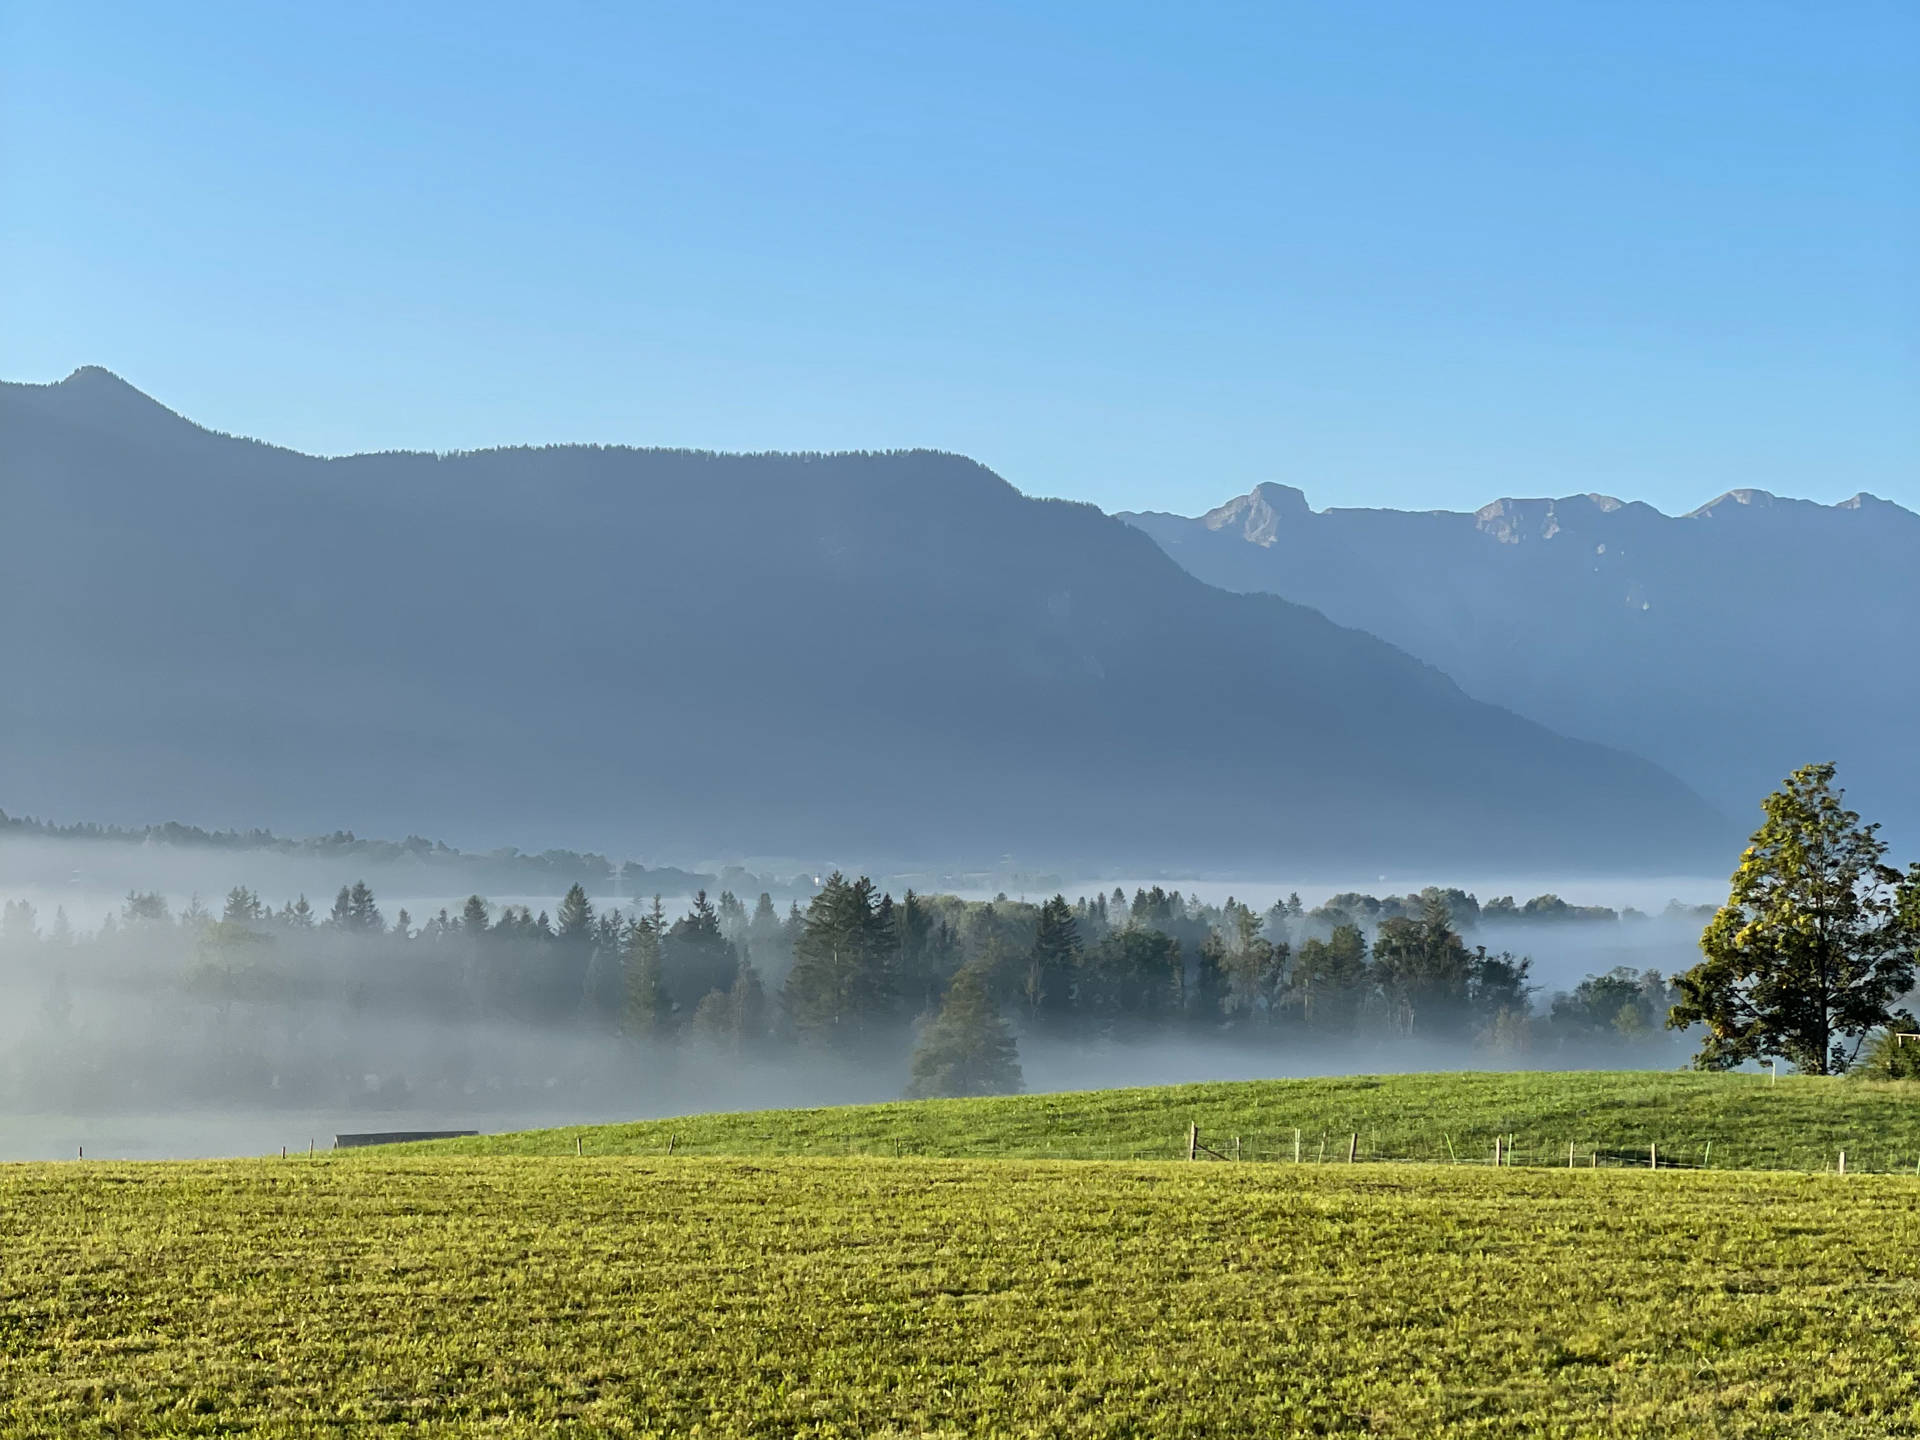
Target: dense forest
column 304, row 1005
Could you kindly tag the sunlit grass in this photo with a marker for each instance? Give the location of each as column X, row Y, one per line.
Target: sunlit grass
column 1692, row 1119
column 375, row 1294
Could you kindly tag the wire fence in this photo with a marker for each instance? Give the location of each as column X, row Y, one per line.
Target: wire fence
column 1320, row 1146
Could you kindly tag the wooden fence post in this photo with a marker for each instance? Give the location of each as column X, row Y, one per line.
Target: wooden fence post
column 1653, row 1155
column 1296, row 1149
column 1236, row 1147
column 1843, row 1162
column 670, row 1143
column 1496, row 1151
column 1193, row 1138
column 1569, row 1154
column 1353, row 1146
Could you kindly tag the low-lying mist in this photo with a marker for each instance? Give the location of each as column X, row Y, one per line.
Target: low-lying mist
column 154, row 1023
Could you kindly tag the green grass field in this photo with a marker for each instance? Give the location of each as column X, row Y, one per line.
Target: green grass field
column 837, row 1297
column 1749, row 1121
column 428, row 1292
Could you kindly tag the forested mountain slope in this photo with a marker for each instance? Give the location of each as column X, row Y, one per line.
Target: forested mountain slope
column 684, row 654
column 1730, row 645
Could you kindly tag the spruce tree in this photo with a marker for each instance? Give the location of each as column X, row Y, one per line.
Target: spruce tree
column 1206, row 995
column 845, row 963
column 696, row 959
column 1047, row 986
column 647, row 1013
column 1329, row 981
column 574, row 919
column 968, row 1049
column 1255, row 969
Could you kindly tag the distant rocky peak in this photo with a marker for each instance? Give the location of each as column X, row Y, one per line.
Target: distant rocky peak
column 1260, row 513
column 1882, row 511
column 1748, row 499
column 1510, row 521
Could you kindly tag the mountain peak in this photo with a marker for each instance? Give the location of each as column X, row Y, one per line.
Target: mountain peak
column 1260, row 513
column 1510, row 520
column 1745, row 498
column 94, row 375
column 95, row 398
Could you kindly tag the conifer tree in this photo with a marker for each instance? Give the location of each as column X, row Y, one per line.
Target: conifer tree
column 1134, row 974
column 1255, row 969
column 1329, row 981
column 695, row 958
column 736, row 1018
column 574, row 919
column 355, row 911
column 1206, row 995
column 843, row 977
column 648, row 1013
column 1047, row 987
column 968, row 1049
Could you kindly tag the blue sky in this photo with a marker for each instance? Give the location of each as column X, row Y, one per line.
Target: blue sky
column 1413, row 255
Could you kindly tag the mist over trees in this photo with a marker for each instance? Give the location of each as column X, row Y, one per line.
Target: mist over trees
column 345, row 1003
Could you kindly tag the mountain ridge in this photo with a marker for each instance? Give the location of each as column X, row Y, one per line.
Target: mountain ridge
column 1611, row 620
column 667, row 651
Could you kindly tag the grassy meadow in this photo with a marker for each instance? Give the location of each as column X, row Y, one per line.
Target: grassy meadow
column 624, row 1291
column 370, row 1294
column 1723, row 1121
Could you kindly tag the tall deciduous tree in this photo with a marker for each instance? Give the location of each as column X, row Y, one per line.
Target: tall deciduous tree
column 1817, row 941
column 1424, row 972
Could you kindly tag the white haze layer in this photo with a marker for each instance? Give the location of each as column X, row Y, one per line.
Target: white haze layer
column 491, row 1076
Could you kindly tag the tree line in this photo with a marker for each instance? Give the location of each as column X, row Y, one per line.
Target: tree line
column 857, row 973
column 1811, row 958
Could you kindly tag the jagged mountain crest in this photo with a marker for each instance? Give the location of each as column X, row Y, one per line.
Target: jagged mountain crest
column 1669, row 635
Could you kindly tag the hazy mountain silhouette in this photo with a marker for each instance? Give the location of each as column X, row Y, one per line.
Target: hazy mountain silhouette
column 1730, row 645
column 683, row 654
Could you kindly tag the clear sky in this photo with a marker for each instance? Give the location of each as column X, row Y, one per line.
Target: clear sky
column 1415, row 255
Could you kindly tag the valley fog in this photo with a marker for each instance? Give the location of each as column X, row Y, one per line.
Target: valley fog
column 159, row 1002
